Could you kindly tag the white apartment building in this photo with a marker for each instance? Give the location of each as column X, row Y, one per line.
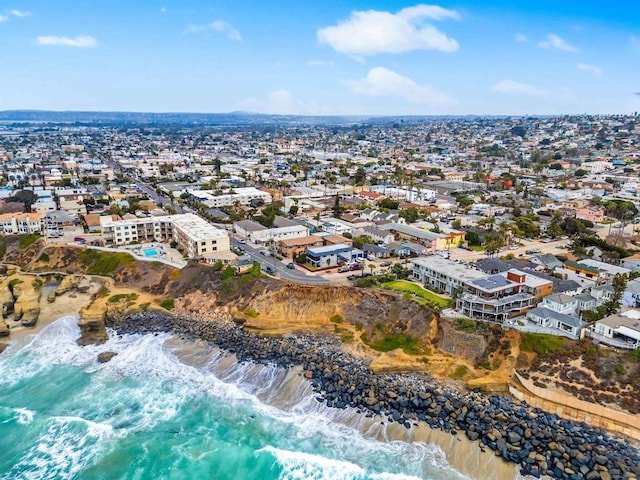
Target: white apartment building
column 443, row 275
column 20, row 223
column 241, row 195
column 256, row 233
column 194, row 236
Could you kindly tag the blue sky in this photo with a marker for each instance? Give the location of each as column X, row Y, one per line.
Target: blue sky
column 321, row 57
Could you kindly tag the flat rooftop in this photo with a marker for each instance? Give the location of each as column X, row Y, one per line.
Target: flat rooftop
column 450, row 268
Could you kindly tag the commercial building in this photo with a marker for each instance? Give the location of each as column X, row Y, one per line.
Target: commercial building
column 193, row 235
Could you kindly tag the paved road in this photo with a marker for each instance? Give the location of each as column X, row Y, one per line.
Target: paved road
column 551, row 247
column 282, row 272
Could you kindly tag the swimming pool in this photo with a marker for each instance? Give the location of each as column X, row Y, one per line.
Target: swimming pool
column 150, row 252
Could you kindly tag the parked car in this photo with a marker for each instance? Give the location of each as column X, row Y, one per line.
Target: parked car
column 355, row 266
column 352, row 277
column 80, row 240
column 344, row 269
column 291, row 266
column 385, row 264
column 271, row 270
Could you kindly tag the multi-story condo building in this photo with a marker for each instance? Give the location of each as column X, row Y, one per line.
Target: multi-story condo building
column 20, row 223
column 248, row 196
column 194, row 236
column 443, row 275
column 282, row 229
column 503, row 296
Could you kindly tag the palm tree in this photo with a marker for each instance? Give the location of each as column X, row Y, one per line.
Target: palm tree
column 371, row 267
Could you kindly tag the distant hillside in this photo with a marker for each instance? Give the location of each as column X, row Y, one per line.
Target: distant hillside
column 212, row 119
column 233, row 118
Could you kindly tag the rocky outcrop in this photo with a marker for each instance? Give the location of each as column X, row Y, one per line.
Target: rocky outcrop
column 68, row 283
column 104, row 357
column 7, row 299
column 27, row 306
column 294, row 307
column 92, row 327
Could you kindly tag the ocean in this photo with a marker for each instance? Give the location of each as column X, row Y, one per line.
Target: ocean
column 166, row 408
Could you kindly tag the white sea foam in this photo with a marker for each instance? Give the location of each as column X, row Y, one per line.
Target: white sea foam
column 25, row 416
column 148, row 383
column 306, row 466
column 67, row 446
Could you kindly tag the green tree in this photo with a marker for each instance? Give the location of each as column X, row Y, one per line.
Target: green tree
column 337, row 208
column 619, row 285
column 472, row 238
column 411, row 215
column 456, row 224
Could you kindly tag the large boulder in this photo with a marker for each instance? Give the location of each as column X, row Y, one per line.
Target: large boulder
column 68, row 283
column 6, row 299
column 27, row 306
column 92, row 327
column 4, row 329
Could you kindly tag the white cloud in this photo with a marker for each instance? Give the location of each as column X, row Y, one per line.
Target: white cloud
column 280, row 102
column 82, row 41
column 553, row 41
column 20, row 13
column 382, row 82
column 372, row 31
column 3, row 18
column 597, row 71
column 163, row 9
column 217, row 26
column 521, row 37
column 511, row 87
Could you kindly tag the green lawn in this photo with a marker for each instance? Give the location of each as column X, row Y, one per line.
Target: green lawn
column 477, row 248
column 417, row 290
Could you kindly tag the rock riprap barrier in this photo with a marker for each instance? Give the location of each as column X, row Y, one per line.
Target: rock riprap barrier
column 541, row 443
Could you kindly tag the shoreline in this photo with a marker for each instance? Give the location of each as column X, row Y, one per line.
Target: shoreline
column 463, row 455
column 69, row 303
column 539, row 442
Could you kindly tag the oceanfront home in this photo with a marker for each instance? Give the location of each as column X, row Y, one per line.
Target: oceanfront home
column 621, row 331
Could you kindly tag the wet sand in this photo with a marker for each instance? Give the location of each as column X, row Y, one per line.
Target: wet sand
column 289, row 389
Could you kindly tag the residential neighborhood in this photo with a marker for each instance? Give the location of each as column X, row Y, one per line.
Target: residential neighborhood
column 530, row 223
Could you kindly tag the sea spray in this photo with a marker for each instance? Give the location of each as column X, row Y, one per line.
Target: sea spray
column 153, row 413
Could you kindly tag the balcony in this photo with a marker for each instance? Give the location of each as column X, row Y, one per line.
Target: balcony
column 614, row 342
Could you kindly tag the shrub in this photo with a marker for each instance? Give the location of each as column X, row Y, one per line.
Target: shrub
column 541, row 343
column 104, row 263
column 129, row 297
column 251, row 312
column 619, row 369
column 44, row 257
column 347, row 337
column 227, row 273
column 102, row 292
column 408, row 343
column 28, row 240
column 466, row 324
column 168, row 304
column 459, row 372
column 337, row 318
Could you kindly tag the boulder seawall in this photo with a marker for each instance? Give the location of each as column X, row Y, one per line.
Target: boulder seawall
column 542, row 444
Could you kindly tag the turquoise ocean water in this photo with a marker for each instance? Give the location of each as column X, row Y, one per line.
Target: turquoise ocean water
column 169, row 409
